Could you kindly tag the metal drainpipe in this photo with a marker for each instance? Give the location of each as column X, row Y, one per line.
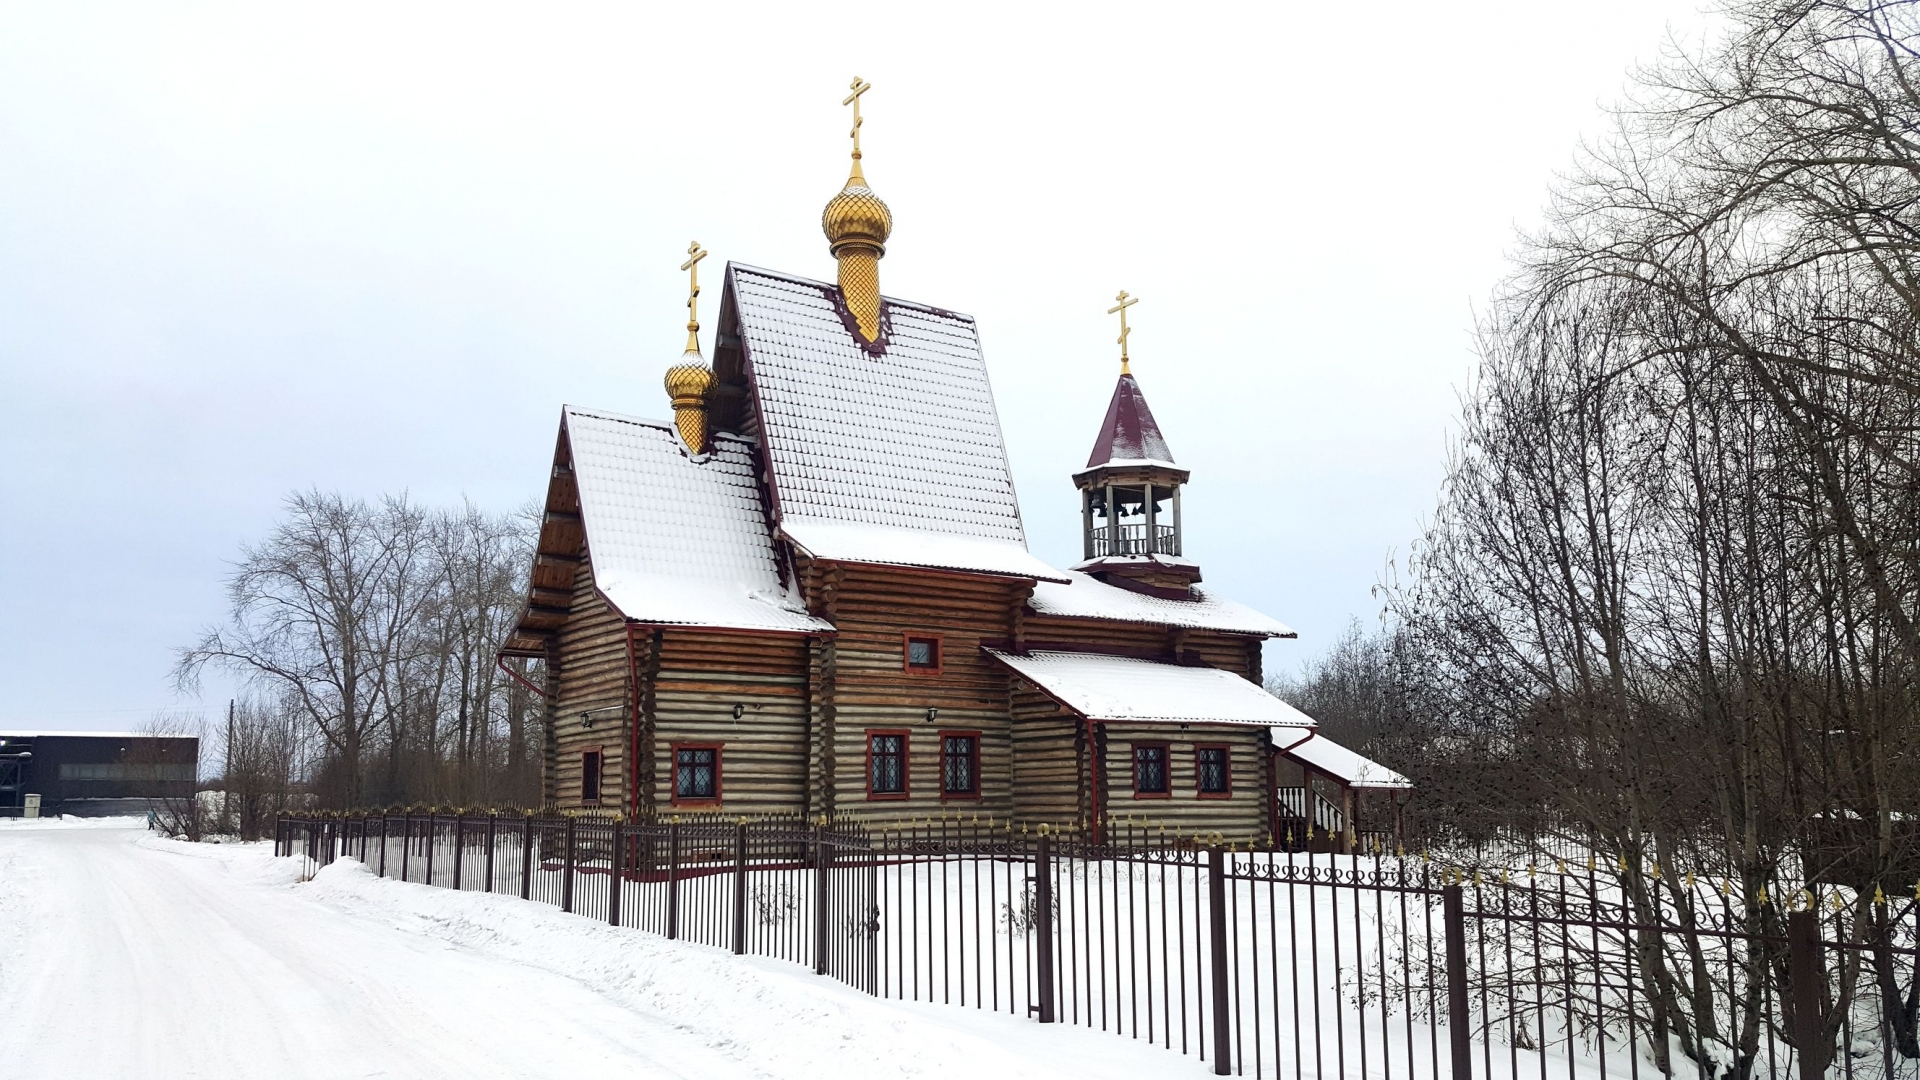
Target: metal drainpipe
column 1093, row 779
column 633, row 732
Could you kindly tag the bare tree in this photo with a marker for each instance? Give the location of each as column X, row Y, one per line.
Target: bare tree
column 323, row 612
column 370, row 634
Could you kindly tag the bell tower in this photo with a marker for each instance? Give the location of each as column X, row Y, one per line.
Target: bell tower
column 1130, row 494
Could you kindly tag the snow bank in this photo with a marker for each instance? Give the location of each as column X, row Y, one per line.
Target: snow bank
column 774, row 1018
column 136, row 821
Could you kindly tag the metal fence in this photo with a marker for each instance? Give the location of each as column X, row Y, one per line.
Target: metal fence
column 1263, row 963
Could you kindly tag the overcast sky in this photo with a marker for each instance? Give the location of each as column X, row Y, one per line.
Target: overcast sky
column 374, row 248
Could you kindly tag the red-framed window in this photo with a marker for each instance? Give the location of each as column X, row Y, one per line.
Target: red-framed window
column 1151, row 778
column 922, row 654
column 959, row 764
column 1213, row 771
column 696, row 774
column 591, row 763
column 887, row 764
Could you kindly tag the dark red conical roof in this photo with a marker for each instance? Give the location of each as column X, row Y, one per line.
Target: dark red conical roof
column 1129, row 433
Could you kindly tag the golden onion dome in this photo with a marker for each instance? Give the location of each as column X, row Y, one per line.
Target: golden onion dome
column 856, row 216
column 690, row 378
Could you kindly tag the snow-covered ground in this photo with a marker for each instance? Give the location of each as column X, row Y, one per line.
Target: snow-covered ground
column 125, row 955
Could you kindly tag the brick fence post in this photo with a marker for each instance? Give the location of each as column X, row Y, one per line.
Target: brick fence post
column 1043, row 926
column 673, row 880
column 1807, row 971
column 1459, row 1023
column 493, row 831
column 1217, row 946
column 526, row 856
column 821, row 859
column 740, row 888
column 566, row 875
column 613, row 886
column 459, row 846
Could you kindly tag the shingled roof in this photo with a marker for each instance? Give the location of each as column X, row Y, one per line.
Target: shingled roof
column 890, row 454
column 674, row 541
column 1129, row 434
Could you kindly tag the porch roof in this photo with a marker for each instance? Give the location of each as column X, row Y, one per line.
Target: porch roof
column 1122, row 688
column 1355, row 770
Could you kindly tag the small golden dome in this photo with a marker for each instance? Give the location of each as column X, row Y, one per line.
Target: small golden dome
column 857, row 216
column 691, row 378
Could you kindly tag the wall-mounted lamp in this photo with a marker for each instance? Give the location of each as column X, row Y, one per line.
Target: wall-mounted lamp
column 586, row 718
column 738, row 709
column 932, row 714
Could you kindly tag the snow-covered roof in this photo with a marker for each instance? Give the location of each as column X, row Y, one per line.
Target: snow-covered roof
column 1084, row 597
column 1129, row 434
column 891, row 546
column 906, row 437
column 18, row 734
column 1121, row 688
column 674, row 541
column 1348, row 767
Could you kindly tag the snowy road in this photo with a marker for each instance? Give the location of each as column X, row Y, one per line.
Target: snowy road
column 122, row 955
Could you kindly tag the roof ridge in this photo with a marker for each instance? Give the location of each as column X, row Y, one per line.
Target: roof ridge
column 800, row 279
column 641, row 421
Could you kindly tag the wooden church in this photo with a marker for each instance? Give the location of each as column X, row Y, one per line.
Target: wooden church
column 810, row 591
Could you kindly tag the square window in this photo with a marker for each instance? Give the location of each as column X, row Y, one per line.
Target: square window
column 959, row 765
column 886, row 764
column 590, row 776
column 696, row 773
column 1213, row 770
column 923, row 654
column 1150, row 769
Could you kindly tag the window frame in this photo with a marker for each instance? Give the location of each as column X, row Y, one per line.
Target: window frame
column 1226, row 766
column 959, row 796
column 906, row 765
column 1166, row 768
column 719, row 756
column 938, row 667
column 598, row 755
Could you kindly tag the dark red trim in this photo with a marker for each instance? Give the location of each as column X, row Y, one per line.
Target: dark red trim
column 517, row 677
column 1224, row 748
column 939, row 653
column 1166, row 767
column 633, row 728
column 718, row 753
column 1094, row 767
column 964, row 796
column 906, row 765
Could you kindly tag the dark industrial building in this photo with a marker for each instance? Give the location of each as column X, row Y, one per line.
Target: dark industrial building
column 94, row 773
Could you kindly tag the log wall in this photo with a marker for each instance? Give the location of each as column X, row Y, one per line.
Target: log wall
column 1241, row 817
column 591, row 675
column 1049, row 760
column 863, row 684
column 702, row 675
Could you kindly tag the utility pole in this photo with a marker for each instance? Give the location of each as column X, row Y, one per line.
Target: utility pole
column 226, row 773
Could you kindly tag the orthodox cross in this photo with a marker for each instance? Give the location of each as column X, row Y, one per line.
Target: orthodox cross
column 858, row 86
column 1121, row 310
column 692, row 266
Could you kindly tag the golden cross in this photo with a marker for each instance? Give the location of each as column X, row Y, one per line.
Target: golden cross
column 1121, row 309
column 858, row 86
column 692, row 266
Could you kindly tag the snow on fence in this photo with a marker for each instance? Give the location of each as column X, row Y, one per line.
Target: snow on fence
column 1263, row 963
